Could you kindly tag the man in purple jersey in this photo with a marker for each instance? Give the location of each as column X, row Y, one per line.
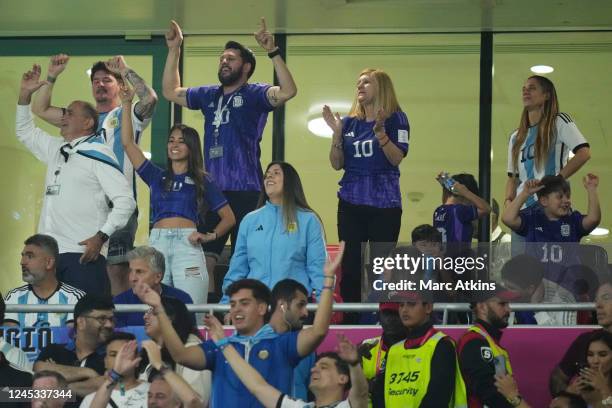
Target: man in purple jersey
column 235, row 114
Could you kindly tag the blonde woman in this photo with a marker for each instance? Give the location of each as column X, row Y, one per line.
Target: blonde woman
column 369, row 144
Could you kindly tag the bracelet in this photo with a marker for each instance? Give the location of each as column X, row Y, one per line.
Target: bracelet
column 386, row 143
column 330, row 276
column 516, row 401
column 221, row 344
column 51, row 79
column 328, row 287
column 114, row 376
column 274, row 53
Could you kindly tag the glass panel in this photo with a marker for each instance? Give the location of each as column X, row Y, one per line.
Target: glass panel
column 436, row 80
column 23, row 190
column 581, row 63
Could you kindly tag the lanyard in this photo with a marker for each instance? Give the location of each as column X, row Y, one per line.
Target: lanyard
column 219, row 113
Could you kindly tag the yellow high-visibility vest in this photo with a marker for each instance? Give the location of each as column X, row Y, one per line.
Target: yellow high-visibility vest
column 407, row 375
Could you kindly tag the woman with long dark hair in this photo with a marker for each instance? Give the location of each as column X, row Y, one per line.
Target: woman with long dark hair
column 283, row 238
column 541, row 144
column 180, row 194
column 594, row 381
column 369, row 144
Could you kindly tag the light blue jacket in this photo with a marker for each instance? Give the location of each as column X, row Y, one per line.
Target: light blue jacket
column 267, row 251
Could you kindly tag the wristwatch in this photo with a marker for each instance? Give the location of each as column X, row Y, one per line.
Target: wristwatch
column 102, row 236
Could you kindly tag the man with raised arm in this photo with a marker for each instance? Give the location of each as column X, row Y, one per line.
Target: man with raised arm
column 82, row 179
column 106, row 79
column 235, row 114
column 273, row 355
column 332, row 375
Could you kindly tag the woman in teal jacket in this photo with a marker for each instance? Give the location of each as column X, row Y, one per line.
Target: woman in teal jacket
column 283, row 238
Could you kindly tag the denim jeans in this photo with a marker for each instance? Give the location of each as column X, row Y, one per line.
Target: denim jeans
column 185, row 264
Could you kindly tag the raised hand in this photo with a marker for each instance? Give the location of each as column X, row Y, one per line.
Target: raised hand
column 265, row 38
column 379, row 125
column 147, row 295
column 347, row 351
column 331, row 266
column 154, row 353
column 214, row 327
column 30, row 80
column 127, row 359
column 532, row 186
column 333, row 120
column 117, row 65
column 590, row 181
column 126, row 93
column 174, row 36
column 57, row 65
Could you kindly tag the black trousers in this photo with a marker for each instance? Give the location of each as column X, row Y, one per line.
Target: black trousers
column 361, row 224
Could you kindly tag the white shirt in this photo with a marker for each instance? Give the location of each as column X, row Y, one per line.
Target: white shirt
column 567, row 139
column 199, row 380
column 134, row 397
column 288, row 402
column 77, row 191
column 15, row 356
column 112, row 136
column 554, row 293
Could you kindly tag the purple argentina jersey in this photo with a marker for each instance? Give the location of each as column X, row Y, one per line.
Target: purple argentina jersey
column 559, row 240
column 243, row 117
column 454, row 221
column 180, row 201
column 369, row 178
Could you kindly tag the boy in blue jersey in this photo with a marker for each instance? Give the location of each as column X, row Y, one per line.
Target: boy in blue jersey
column 459, row 208
column 553, row 221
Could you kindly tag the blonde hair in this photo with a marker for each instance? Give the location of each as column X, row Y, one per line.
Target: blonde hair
column 546, row 127
column 385, row 98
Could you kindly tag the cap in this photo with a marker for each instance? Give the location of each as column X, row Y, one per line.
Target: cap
column 392, row 306
column 500, row 292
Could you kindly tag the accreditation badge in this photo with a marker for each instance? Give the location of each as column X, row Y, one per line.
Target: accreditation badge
column 263, row 354
column 53, row 189
column 215, row 152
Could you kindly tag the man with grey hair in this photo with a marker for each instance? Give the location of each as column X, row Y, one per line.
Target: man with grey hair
column 39, row 259
column 147, row 265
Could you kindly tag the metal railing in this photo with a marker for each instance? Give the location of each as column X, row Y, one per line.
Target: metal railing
column 445, row 308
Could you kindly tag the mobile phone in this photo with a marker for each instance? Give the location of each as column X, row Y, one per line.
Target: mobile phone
column 446, row 181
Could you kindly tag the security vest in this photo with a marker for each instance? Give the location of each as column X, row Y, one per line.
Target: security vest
column 407, row 375
column 372, row 366
column 500, row 355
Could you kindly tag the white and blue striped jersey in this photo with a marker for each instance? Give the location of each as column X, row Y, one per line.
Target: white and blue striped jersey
column 110, row 122
column 24, row 295
column 567, row 138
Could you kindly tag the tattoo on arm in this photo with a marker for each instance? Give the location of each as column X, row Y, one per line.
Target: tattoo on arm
column 146, row 105
column 272, row 98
